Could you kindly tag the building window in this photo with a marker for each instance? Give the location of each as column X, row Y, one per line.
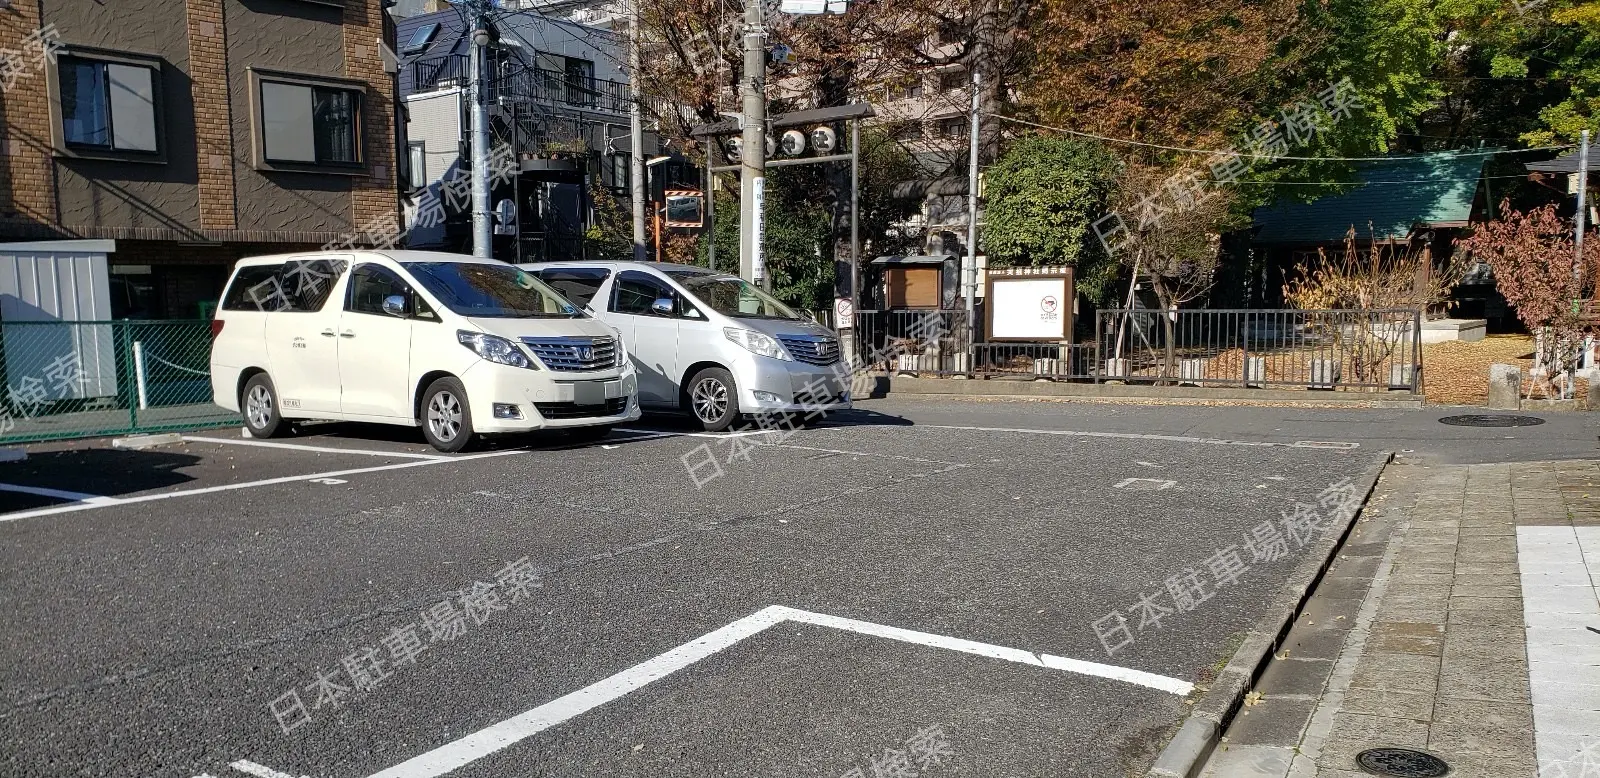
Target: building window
column 420, row 38
column 311, row 125
column 306, row 123
column 107, row 105
column 906, row 130
column 907, row 92
column 580, row 81
column 417, row 165
column 951, row 80
column 953, row 127
column 621, row 171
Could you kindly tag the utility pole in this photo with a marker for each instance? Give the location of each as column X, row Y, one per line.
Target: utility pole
column 969, row 264
column 1578, row 226
column 753, row 153
column 1583, row 208
column 636, row 123
column 482, row 220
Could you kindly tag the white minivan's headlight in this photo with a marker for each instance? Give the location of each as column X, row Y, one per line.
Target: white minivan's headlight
column 758, row 343
column 495, row 349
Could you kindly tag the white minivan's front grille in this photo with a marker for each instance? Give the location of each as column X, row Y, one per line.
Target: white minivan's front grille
column 811, row 350
column 574, row 354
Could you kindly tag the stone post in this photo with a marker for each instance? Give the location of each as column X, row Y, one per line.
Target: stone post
column 1505, row 387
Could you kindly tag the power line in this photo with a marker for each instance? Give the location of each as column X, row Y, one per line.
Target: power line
column 1210, row 152
column 1362, row 183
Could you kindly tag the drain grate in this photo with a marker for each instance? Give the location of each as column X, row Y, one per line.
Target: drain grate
column 1401, row 763
column 1491, row 420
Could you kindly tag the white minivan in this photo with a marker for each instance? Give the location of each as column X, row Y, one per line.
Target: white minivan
column 708, row 343
column 456, row 345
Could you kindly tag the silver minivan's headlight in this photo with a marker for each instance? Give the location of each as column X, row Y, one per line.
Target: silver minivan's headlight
column 495, row 349
column 758, row 343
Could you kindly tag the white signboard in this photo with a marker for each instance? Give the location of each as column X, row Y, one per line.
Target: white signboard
column 1025, row 308
column 758, row 259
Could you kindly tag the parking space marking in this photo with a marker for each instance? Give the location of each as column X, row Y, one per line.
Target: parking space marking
column 1136, row 436
column 261, row 771
column 678, row 433
column 317, row 449
column 866, row 454
column 1144, row 484
column 1333, row 444
column 109, row 501
column 495, row 737
column 59, row 494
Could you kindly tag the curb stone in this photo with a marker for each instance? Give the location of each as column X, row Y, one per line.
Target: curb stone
column 1188, row 749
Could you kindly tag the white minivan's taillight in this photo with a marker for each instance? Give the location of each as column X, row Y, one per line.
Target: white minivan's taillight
column 216, row 327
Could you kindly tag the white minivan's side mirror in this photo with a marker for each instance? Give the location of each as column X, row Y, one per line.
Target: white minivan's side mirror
column 395, row 305
column 662, row 305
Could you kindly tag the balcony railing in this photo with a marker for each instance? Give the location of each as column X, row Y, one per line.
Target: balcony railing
column 524, row 83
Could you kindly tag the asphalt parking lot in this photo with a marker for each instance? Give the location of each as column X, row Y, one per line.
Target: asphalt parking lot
column 890, row 590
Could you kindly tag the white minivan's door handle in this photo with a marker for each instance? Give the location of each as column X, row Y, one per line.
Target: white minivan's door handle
column 328, row 332
column 347, row 334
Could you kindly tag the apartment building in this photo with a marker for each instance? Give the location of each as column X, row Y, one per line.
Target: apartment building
column 161, row 140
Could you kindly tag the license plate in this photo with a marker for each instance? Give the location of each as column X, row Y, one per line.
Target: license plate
column 589, row 392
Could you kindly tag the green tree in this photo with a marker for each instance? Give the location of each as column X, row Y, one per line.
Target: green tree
column 1039, row 201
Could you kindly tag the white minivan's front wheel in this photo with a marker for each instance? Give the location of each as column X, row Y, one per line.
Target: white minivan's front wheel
column 258, row 403
column 446, row 419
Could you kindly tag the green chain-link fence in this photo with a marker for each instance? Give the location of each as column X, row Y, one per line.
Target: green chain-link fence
column 72, row 379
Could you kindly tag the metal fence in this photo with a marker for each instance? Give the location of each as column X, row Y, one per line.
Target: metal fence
column 1363, row 350
column 1065, row 361
column 1378, row 349
column 70, row 379
column 932, row 341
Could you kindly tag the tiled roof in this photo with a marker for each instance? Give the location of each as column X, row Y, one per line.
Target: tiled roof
column 1400, row 194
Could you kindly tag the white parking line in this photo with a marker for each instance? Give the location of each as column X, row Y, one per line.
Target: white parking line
column 59, row 494
column 1127, row 436
column 261, row 771
column 495, row 737
column 317, row 449
column 108, row 501
column 676, row 433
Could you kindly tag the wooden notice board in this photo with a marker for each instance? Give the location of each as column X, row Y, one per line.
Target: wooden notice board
column 912, row 287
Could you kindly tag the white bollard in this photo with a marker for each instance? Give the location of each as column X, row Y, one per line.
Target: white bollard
column 138, row 374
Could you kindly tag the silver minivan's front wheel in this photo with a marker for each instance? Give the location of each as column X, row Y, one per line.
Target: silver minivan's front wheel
column 714, row 399
column 446, row 419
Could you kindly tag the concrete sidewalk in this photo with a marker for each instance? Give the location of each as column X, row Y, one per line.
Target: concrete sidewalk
column 1460, row 619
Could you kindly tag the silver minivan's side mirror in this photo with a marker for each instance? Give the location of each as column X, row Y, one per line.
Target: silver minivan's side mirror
column 395, row 305
column 662, row 305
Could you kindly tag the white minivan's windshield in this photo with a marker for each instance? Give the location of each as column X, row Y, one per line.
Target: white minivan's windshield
column 732, row 296
column 495, row 291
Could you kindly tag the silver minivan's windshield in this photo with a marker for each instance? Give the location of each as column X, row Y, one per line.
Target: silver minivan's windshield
column 733, row 296
column 495, row 291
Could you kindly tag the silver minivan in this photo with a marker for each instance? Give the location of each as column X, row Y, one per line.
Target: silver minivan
column 708, row 343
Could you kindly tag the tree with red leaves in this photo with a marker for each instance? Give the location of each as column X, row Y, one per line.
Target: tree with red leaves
column 1531, row 255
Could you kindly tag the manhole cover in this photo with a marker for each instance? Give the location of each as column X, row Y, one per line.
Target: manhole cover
column 1491, row 420
column 1401, row 763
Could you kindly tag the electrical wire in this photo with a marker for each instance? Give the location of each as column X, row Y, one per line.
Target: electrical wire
column 1363, row 183
column 1210, row 152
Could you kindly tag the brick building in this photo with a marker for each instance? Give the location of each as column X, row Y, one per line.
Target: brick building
column 179, row 135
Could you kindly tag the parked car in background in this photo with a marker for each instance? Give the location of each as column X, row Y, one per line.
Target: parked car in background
column 708, row 343
column 459, row 346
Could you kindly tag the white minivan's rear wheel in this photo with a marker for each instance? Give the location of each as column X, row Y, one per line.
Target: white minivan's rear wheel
column 446, row 419
column 258, row 403
column 714, row 399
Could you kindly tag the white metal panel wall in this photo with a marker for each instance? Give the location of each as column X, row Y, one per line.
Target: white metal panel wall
column 435, row 122
column 66, row 361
